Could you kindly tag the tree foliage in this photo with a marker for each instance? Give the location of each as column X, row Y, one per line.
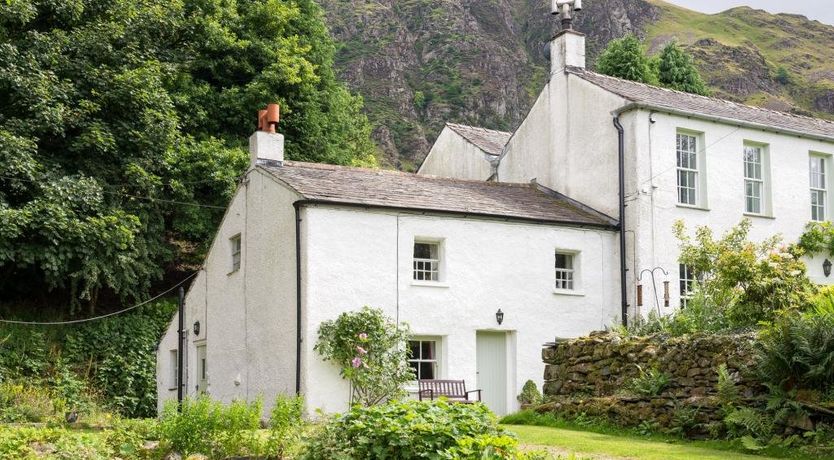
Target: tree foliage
column 109, row 106
column 672, row 68
column 677, row 71
column 626, row 58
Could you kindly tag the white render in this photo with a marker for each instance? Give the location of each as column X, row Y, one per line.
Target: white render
column 352, row 257
column 568, row 142
column 453, row 152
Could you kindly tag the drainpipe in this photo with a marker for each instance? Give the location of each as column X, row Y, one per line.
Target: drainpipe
column 181, row 348
column 621, row 158
column 297, row 206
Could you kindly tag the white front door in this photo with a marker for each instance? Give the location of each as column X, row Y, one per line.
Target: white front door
column 202, row 370
column 492, row 370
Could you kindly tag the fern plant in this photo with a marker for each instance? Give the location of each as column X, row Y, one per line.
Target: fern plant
column 747, row 421
column 649, row 382
column 728, row 394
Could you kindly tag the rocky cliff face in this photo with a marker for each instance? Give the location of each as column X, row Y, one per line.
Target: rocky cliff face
column 420, row 63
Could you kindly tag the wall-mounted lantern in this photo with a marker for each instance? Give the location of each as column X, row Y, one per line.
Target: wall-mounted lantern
column 499, row 316
column 197, row 328
column 826, row 268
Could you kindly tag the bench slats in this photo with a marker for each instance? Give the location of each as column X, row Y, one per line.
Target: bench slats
column 450, row 389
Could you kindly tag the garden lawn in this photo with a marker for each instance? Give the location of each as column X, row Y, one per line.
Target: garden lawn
column 607, row 446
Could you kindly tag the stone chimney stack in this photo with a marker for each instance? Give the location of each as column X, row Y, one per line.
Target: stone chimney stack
column 568, row 46
column 266, row 147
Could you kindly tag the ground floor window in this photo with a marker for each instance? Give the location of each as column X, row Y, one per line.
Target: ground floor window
column 687, row 284
column 425, row 357
column 173, row 369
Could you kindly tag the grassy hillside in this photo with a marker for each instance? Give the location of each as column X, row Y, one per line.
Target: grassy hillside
column 741, row 51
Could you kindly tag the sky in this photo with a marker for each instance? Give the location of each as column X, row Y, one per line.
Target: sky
column 821, row 10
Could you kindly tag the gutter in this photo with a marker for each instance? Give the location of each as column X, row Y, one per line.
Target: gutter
column 612, row 226
column 621, row 161
column 297, row 205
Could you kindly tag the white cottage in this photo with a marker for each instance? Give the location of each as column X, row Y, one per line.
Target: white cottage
column 302, row 243
column 652, row 156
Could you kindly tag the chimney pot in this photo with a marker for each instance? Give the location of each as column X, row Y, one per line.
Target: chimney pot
column 266, row 147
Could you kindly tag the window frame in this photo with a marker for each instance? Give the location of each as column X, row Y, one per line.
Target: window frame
column 174, row 369
column 437, row 360
column 765, row 202
column 436, row 266
column 817, row 190
column 236, row 252
column 692, row 171
column 687, row 280
column 569, row 280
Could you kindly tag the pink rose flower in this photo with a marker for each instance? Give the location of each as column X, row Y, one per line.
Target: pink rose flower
column 357, row 361
column 361, row 351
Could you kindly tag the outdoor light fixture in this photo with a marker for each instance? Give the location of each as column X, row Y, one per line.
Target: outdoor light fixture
column 499, row 316
column 196, row 328
column 826, row 268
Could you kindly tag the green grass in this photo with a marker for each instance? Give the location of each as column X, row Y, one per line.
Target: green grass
column 629, row 446
column 592, row 437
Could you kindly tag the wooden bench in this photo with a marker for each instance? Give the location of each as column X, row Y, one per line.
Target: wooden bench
column 453, row 390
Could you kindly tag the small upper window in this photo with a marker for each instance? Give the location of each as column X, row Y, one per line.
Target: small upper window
column 426, row 261
column 564, row 271
column 235, row 246
column 173, row 369
column 819, row 188
column 688, row 174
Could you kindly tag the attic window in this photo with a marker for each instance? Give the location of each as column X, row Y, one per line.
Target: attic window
column 234, row 244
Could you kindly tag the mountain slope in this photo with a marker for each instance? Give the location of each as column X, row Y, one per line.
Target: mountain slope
column 420, row 63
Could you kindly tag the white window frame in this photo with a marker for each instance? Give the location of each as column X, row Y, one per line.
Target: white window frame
column 752, row 182
column 427, row 270
column 236, row 250
column 686, row 284
column 691, row 169
column 567, row 281
column 438, row 356
column 818, row 187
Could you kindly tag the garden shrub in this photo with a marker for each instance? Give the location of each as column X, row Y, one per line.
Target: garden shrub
column 285, row 421
column 113, row 360
column 207, row 427
column 410, row 430
column 21, row 402
column 370, row 350
column 530, row 393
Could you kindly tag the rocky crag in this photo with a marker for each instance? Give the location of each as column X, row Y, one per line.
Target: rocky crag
column 419, row 63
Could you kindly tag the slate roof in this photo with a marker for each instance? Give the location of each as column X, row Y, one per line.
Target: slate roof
column 392, row 189
column 490, row 141
column 709, row 107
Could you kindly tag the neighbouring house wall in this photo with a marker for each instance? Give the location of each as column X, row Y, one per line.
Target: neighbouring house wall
column 454, row 156
column 364, row 257
column 248, row 316
column 654, row 195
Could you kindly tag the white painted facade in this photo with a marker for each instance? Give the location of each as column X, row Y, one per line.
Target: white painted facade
column 453, row 152
column 569, row 143
column 352, row 257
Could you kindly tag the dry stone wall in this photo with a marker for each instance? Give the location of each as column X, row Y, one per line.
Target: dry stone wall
column 592, row 376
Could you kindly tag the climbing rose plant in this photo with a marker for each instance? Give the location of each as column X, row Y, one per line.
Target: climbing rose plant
column 370, row 350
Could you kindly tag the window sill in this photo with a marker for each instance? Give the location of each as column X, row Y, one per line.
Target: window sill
column 569, row 292
column 434, row 284
column 761, row 216
column 690, row 206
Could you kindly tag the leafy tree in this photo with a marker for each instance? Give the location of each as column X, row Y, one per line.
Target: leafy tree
column 677, row 71
column 626, row 58
column 113, row 113
column 783, row 76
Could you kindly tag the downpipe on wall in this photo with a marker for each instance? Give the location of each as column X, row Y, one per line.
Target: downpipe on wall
column 297, row 205
column 621, row 162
